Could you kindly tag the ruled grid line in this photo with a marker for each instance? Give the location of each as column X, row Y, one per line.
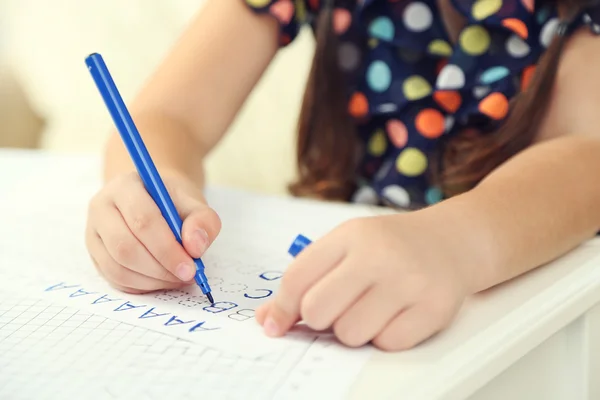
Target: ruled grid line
column 57, row 352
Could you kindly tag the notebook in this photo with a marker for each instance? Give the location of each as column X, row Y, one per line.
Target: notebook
column 65, row 332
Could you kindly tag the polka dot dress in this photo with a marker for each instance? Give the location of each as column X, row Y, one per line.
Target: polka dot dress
column 409, row 85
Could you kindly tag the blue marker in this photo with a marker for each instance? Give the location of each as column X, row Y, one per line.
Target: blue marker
column 298, row 245
column 140, row 156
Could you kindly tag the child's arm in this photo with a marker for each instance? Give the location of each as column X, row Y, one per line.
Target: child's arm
column 191, row 99
column 546, row 200
column 181, row 113
column 396, row 280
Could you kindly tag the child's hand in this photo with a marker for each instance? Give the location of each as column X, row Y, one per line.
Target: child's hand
column 130, row 242
column 393, row 280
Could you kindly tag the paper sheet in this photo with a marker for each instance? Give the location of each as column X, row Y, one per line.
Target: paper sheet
column 244, row 265
column 56, row 352
column 57, row 314
column 43, row 261
column 241, row 279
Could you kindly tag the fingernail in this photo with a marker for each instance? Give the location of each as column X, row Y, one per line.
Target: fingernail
column 201, row 240
column 271, row 328
column 185, row 272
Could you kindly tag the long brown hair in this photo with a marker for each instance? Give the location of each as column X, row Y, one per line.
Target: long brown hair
column 327, row 151
column 328, row 148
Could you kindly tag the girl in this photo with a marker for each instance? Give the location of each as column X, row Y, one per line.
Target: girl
column 479, row 116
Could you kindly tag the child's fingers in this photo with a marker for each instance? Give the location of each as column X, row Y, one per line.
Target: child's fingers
column 309, row 267
column 145, row 221
column 362, row 321
column 333, row 294
column 126, row 249
column 123, row 277
column 201, row 225
column 261, row 312
column 118, row 287
column 406, row 330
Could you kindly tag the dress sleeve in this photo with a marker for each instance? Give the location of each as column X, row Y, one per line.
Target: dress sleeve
column 591, row 17
column 291, row 15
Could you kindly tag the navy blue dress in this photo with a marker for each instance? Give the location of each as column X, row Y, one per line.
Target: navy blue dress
column 410, row 85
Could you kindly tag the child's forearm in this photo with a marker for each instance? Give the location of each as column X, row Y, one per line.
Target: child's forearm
column 194, row 95
column 171, row 144
column 534, row 208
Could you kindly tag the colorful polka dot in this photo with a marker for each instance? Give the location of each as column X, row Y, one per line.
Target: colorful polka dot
column 542, row 15
column 517, row 26
column 411, row 162
column 517, row 47
column 479, row 92
column 494, row 106
column 475, row 40
column 433, row 195
column 387, row 108
column 341, row 20
column 384, row 170
column 412, row 85
column 377, row 143
column 449, row 123
column 430, row 123
column 379, row 76
column 548, row 32
column 397, row 195
column 449, row 100
column 365, row 195
column 382, row 28
column 529, row 5
column 300, row 11
column 417, row 17
column 527, row 76
column 494, row 74
column 440, row 47
column 283, row 10
column 358, row 106
column 258, row 3
column 416, row 87
column 451, row 77
column 591, row 23
column 348, row 56
column 485, row 8
column 397, row 133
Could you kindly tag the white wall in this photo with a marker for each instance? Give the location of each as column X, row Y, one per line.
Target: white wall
column 46, row 43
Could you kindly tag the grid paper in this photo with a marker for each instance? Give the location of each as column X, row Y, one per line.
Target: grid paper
column 52, row 352
column 55, row 352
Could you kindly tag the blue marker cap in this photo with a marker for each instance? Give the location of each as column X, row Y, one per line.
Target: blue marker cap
column 298, row 245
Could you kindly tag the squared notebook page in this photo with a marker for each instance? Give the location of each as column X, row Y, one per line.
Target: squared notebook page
column 50, row 351
column 244, row 265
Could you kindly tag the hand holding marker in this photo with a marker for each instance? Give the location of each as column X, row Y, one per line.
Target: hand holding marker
column 140, row 156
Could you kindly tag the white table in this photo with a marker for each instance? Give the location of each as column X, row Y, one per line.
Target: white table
column 537, row 337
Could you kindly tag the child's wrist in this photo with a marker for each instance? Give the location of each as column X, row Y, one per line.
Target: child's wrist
column 479, row 256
